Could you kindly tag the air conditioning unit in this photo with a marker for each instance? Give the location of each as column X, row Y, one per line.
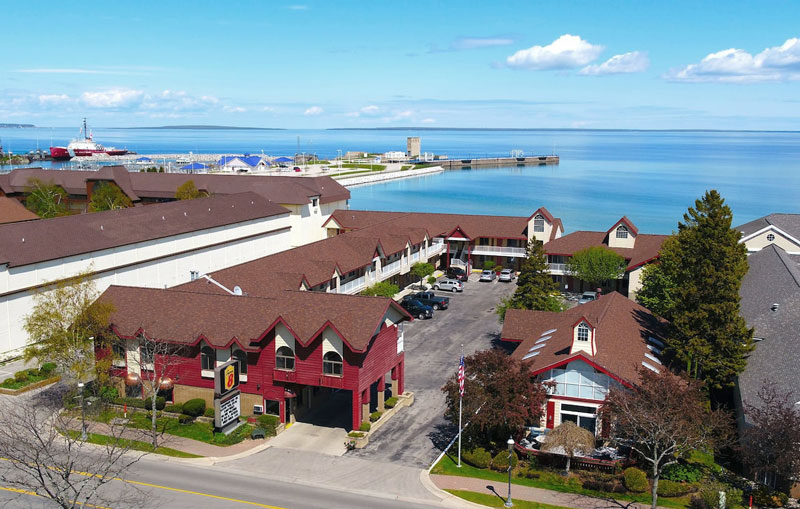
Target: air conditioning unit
column 258, row 409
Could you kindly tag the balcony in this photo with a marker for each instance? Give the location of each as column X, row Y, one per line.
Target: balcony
column 284, row 376
column 414, row 257
column 352, row 286
column 517, row 252
column 390, row 269
column 558, row 269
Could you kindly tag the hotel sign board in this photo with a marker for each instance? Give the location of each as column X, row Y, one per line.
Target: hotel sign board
column 227, row 410
column 226, row 378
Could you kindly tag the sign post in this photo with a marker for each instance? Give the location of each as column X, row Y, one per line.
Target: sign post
column 227, row 407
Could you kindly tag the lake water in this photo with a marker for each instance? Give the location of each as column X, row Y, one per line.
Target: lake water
column 650, row 176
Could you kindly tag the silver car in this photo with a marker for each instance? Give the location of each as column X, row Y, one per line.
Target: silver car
column 487, row 275
column 448, row 284
column 587, row 297
column 506, row 275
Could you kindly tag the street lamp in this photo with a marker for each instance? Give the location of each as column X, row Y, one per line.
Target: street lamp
column 510, row 443
column 83, row 413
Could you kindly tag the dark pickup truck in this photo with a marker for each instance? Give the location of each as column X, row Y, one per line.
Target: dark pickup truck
column 430, row 299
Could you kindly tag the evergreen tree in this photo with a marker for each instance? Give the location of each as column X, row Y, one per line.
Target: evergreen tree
column 107, row 196
column 535, row 287
column 696, row 288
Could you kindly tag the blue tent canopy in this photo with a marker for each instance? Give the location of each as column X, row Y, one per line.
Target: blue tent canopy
column 194, row 166
column 144, row 159
column 284, row 159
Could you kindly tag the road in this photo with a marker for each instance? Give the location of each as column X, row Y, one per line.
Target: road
column 416, row 435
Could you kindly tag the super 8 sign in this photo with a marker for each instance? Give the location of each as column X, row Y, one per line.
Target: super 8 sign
column 226, row 377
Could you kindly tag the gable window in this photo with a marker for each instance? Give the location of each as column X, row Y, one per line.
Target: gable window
column 208, row 358
column 583, row 332
column 622, row 232
column 538, row 223
column 332, row 364
column 241, row 356
column 770, row 237
column 284, row 359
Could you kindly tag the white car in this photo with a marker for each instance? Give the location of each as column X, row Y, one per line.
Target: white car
column 506, row 275
column 587, row 297
column 447, row 284
column 487, row 275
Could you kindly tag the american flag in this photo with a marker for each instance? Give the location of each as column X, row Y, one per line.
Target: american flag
column 461, row 377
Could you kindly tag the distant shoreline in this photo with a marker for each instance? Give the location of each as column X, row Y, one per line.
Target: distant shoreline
column 209, row 127
column 561, row 129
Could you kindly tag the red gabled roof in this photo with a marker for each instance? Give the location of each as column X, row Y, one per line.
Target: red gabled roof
column 645, row 249
column 627, row 222
column 12, row 211
column 545, row 213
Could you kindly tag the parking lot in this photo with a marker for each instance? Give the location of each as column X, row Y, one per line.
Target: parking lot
column 416, row 435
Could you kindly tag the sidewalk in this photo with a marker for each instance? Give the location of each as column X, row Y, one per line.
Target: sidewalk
column 452, row 482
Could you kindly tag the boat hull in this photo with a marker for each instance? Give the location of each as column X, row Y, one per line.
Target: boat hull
column 60, row 153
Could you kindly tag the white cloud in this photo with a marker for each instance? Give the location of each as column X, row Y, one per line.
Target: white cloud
column 53, row 99
column 738, row 66
column 370, row 110
column 634, row 61
column 466, row 43
column 113, row 98
column 267, row 109
column 314, row 110
column 234, row 109
column 404, row 114
column 427, row 121
column 566, row 52
column 352, row 114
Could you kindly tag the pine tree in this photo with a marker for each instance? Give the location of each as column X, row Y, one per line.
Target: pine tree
column 698, row 282
column 535, row 286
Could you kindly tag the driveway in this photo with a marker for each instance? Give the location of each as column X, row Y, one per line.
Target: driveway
column 417, row 434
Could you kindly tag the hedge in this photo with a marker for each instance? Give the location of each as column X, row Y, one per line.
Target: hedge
column 391, row 402
column 374, row 416
column 175, row 409
column 500, row 460
column 194, row 407
column 365, row 426
column 477, row 457
column 667, row 488
column 635, row 480
column 47, row 368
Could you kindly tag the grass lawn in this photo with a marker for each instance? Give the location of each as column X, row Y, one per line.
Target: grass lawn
column 549, row 480
column 136, row 445
column 11, row 383
column 366, row 166
column 495, row 501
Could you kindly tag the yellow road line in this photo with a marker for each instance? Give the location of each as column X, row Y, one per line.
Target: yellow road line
column 26, row 492
column 218, row 497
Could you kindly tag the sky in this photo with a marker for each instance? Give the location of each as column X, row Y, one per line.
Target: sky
column 293, row 64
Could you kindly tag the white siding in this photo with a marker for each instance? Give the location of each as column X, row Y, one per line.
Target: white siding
column 283, row 337
column 331, row 342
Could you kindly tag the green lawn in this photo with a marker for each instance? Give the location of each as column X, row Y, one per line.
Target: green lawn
column 200, row 431
column 495, row 501
column 366, row 166
column 549, row 480
column 10, row 383
column 136, row 445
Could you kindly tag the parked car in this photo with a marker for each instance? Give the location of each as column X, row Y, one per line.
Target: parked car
column 430, row 299
column 587, row 297
column 457, row 273
column 506, row 275
column 449, row 284
column 487, row 275
column 417, row 309
column 297, row 168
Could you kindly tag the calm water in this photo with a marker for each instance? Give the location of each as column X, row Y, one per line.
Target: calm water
column 652, row 177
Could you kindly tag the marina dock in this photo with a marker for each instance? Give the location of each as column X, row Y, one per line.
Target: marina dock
column 483, row 162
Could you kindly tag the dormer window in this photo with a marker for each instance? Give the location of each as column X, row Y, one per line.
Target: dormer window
column 538, row 223
column 583, row 332
column 622, row 232
column 314, row 202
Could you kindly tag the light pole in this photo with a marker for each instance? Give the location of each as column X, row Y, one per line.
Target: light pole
column 83, row 413
column 510, row 465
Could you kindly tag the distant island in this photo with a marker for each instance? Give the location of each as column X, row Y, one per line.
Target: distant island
column 210, row 127
column 16, row 126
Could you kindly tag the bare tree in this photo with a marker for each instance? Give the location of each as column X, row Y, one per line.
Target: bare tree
column 42, row 454
column 771, row 442
column 569, row 439
column 663, row 419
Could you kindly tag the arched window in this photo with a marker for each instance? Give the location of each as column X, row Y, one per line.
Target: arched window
column 208, row 358
column 583, row 332
column 241, row 356
column 622, row 232
column 332, row 364
column 284, row 358
column 538, row 223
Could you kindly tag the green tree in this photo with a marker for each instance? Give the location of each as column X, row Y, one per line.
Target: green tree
column 46, row 199
column 422, row 270
column 696, row 288
column 188, row 191
column 381, row 289
column 658, row 286
column 596, row 265
column 108, row 196
column 63, row 324
column 535, row 287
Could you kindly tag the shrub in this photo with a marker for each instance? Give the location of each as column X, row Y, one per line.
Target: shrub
column 47, row 368
column 21, row 376
column 8, row 382
column 175, row 409
column 108, row 393
column 528, row 472
column 185, row 419
column 209, row 412
column 477, row 457
column 680, row 472
column 765, row 497
column 708, row 497
column 635, row 480
column 391, row 402
column 489, row 264
column 431, row 280
column 268, row 423
column 500, row 461
column 667, row 488
column 33, row 372
column 365, row 426
column 604, row 486
column 374, row 416
column 355, row 434
column 160, row 403
column 194, row 407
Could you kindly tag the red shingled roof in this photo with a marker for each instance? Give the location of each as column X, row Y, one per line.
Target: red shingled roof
column 645, row 249
column 621, row 328
column 189, row 317
column 12, row 211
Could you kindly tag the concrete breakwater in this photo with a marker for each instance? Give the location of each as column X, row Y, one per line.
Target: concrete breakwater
column 359, row 180
column 452, row 164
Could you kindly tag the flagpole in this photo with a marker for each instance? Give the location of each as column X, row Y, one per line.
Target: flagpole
column 460, row 401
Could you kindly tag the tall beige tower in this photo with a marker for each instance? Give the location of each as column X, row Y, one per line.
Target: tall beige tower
column 413, row 146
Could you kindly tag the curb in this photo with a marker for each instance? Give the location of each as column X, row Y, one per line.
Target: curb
column 448, row 499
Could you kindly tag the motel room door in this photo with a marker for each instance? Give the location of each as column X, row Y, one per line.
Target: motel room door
column 551, row 415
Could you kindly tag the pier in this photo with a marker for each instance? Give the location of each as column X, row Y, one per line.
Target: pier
column 483, row 162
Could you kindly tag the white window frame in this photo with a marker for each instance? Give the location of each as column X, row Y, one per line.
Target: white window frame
column 294, row 363
column 242, row 363
column 584, row 333
column 206, row 372
column 622, row 232
column 538, row 223
column 333, row 364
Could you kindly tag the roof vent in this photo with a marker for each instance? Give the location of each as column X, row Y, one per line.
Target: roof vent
column 163, row 218
column 23, row 240
column 775, row 307
column 209, row 209
column 101, row 227
column 184, row 214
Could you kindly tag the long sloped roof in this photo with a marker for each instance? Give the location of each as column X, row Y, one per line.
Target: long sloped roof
column 49, row 239
column 788, row 223
column 645, row 248
column 12, row 211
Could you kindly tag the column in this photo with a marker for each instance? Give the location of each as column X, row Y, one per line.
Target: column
column 394, row 382
column 365, row 405
column 381, row 395
column 356, row 409
column 401, row 378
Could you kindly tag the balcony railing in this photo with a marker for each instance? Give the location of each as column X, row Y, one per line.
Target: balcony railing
column 558, row 268
column 414, row 256
column 499, row 251
column 352, row 286
column 390, row 268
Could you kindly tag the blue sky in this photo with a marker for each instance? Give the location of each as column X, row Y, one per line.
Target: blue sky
column 564, row 64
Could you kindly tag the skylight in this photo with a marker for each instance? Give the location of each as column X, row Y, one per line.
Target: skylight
column 653, row 358
column 537, row 347
column 654, row 349
column 532, row 354
column 545, row 333
column 543, row 339
column 648, row 366
column 655, row 342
